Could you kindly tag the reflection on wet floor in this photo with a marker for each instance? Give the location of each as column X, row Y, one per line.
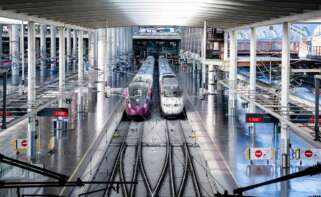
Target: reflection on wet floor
column 231, row 134
column 89, row 111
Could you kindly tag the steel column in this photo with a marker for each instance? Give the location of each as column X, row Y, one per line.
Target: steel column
column 130, row 40
column 252, row 68
column 22, row 51
column 74, row 49
column 31, row 151
column 62, row 59
column 285, row 83
column 43, row 56
column 81, row 56
column 53, row 48
column 232, row 72
column 126, row 40
column 1, row 44
column 225, row 45
column 121, row 38
column 101, row 59
column 316, row 108
column 203, row 54
column 91, row 58
column 15, row 54
column 91, row 47
column 68, row 36
column 4, row 100
column 113, row 45
column 211, row 79
column 109, row 56
column 117, row 38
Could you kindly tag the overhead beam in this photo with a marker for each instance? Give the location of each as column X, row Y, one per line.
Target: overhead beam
column 291, row 19
column 24, row 17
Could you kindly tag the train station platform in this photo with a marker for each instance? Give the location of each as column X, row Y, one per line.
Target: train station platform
column 225, row 140
column 91, row 115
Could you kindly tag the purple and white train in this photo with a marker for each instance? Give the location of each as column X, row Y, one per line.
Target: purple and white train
column 139, row 92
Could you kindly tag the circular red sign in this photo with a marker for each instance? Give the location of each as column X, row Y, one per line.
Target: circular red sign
column 308, row 153
column 258, row 153
column 24, row 143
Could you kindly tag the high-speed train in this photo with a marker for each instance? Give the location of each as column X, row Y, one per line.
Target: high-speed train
column 139, row 92
column 171, row 95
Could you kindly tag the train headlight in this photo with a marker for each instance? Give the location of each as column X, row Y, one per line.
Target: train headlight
column 166, row 105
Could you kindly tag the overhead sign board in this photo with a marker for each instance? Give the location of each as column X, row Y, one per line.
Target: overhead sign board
column 53, row 112
column 304, row 119
column 260, row 154
column 308, row 153
column 259, row 118
column 13, row 112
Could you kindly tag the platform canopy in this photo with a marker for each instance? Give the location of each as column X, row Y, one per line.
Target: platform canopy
column 102, row 13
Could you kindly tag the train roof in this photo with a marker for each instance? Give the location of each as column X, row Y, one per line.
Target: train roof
column 138, row 83
column 170, row 82
column 164, row 67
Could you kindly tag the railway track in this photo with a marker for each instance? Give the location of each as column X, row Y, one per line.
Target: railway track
column 189, row 168
column 167, row 169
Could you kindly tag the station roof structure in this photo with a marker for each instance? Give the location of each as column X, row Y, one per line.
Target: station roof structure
column 224, row 14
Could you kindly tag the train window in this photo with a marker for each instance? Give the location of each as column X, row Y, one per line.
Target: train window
column 137, row 91
column 172, row 91
column 169, row 80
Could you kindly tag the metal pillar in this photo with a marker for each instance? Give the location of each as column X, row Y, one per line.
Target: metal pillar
column 117, row 39
column 225, row 46
column 126, row 40
column 113, row 45
column 68, row 36
column 62, row 59
column 109, row 56
column 211, row 79
column 15, row 54
column 316, row 108
column 43, row 29
column 203, row 55
column 120, row 40
column 232, row 72
column 31, row 151
column 101, row 59
column 91, row 59
column 285, row 83
column 130, row 40
column 74, row 49
column 22, row 50
column 1, row 44
column 252, row 68
column 81, row 56
column 91, row 47
column 53, row 48
column 4, row 100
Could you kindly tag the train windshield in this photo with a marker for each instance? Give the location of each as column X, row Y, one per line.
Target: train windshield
column 169, row 79
column 172, row 91
column 137, row 94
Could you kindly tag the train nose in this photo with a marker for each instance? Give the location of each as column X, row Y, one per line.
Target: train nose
column 137, row 110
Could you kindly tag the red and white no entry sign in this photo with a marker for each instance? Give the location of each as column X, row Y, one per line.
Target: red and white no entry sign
column 24, row 143
column 308, row 153
column 258, row 153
